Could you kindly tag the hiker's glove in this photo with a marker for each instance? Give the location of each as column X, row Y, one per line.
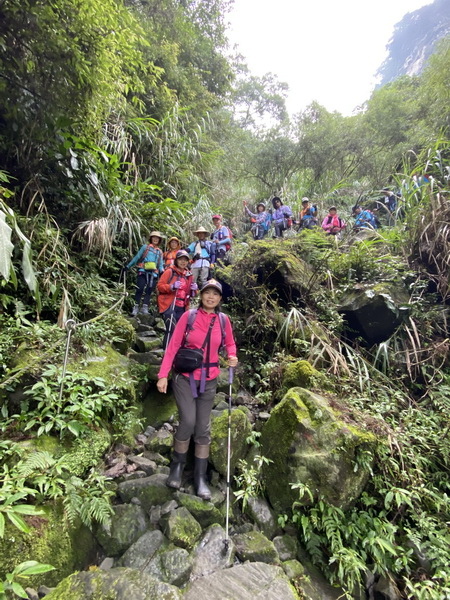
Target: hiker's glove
column 176, row 285
column 194, row 287
column 286, row 215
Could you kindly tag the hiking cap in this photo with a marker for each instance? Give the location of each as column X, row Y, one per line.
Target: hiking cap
column 201, row 230
column 173, row 238
column 181, row 254
column 212, row 283
column 305, row 199
column 216, row 217
column 332, row 208
column 261, row 204
column 156, row 234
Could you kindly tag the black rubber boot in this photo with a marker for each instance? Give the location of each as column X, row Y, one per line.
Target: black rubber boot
column 201, row 485
column 176, row 470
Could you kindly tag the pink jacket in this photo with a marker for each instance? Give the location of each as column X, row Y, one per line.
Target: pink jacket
column 330, row 222
column 195, row 339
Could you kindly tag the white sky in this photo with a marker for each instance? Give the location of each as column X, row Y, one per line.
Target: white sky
column 326, row 50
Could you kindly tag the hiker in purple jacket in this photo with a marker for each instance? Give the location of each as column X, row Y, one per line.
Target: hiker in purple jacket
column 281, row 216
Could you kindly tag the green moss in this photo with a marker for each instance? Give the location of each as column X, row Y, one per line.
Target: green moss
column 240, row 430
column 299, row 374
column 87, row 451
column 122, row 331
column 308, row 443
column 114, row 368
column 47, row 443
column 204, row 512
column 52, row 541
column 182, row 529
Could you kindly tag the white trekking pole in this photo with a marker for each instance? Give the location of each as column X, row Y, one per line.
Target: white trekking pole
column 230, row 381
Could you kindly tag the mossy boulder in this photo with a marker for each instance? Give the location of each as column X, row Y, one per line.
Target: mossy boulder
column 204, row 512
column 309, row 443
column 127, row 524
column 278, row 266
column 255, row 547
column 181, row 527
column 122, row 331
column 143, row 550
column 161, row 442
column 112, row 367
column 240, row 430
column 158, row 408
column 293, row 569
column 374, row 311
column 150, row 491
column 287, row 547
column 299, row 374
column 52, row 540
column 115, row 584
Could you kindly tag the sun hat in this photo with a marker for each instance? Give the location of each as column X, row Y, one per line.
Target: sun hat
column 156, row 234
column 201, row 230
column 173, row 238
column 261, row 204
column 305, row 199
column 212, row 283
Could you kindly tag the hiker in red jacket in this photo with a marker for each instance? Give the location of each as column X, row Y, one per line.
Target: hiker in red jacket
column 175, row 288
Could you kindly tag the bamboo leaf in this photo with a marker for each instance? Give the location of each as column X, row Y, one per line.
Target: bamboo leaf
column 27, row 267
column 6, row 247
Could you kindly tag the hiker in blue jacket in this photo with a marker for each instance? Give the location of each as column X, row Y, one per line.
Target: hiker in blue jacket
column 149, row 262
column 364, row 219
column 260, row 220
column 281, row 216
column 221, row 237
column 203, row 254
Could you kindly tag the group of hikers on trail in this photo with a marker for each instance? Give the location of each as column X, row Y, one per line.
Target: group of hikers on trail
column 194, row 337
column 282, row 217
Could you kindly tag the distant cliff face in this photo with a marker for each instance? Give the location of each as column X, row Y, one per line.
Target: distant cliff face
column 414, row 40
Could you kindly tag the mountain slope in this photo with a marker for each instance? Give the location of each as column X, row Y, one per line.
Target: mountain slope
column 414, row 40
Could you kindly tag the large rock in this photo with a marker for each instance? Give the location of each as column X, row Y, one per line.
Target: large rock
column 277, row 266
column 374, row 312
column 127, row 524
column 151, row 555
column 260, row 512
column 243, row 582
column 149, row 490
column 240, row 430
column 287, row 547
column 181, row 528
column 255, row 547
column 204, row 512
column 115, row 584
column 143, row 550
column 212, row 553
column 307, row 443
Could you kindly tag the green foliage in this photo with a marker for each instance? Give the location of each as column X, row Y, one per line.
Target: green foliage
column 43, row 477
column 248, row 479
column 71, row 405
column 11, row 584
